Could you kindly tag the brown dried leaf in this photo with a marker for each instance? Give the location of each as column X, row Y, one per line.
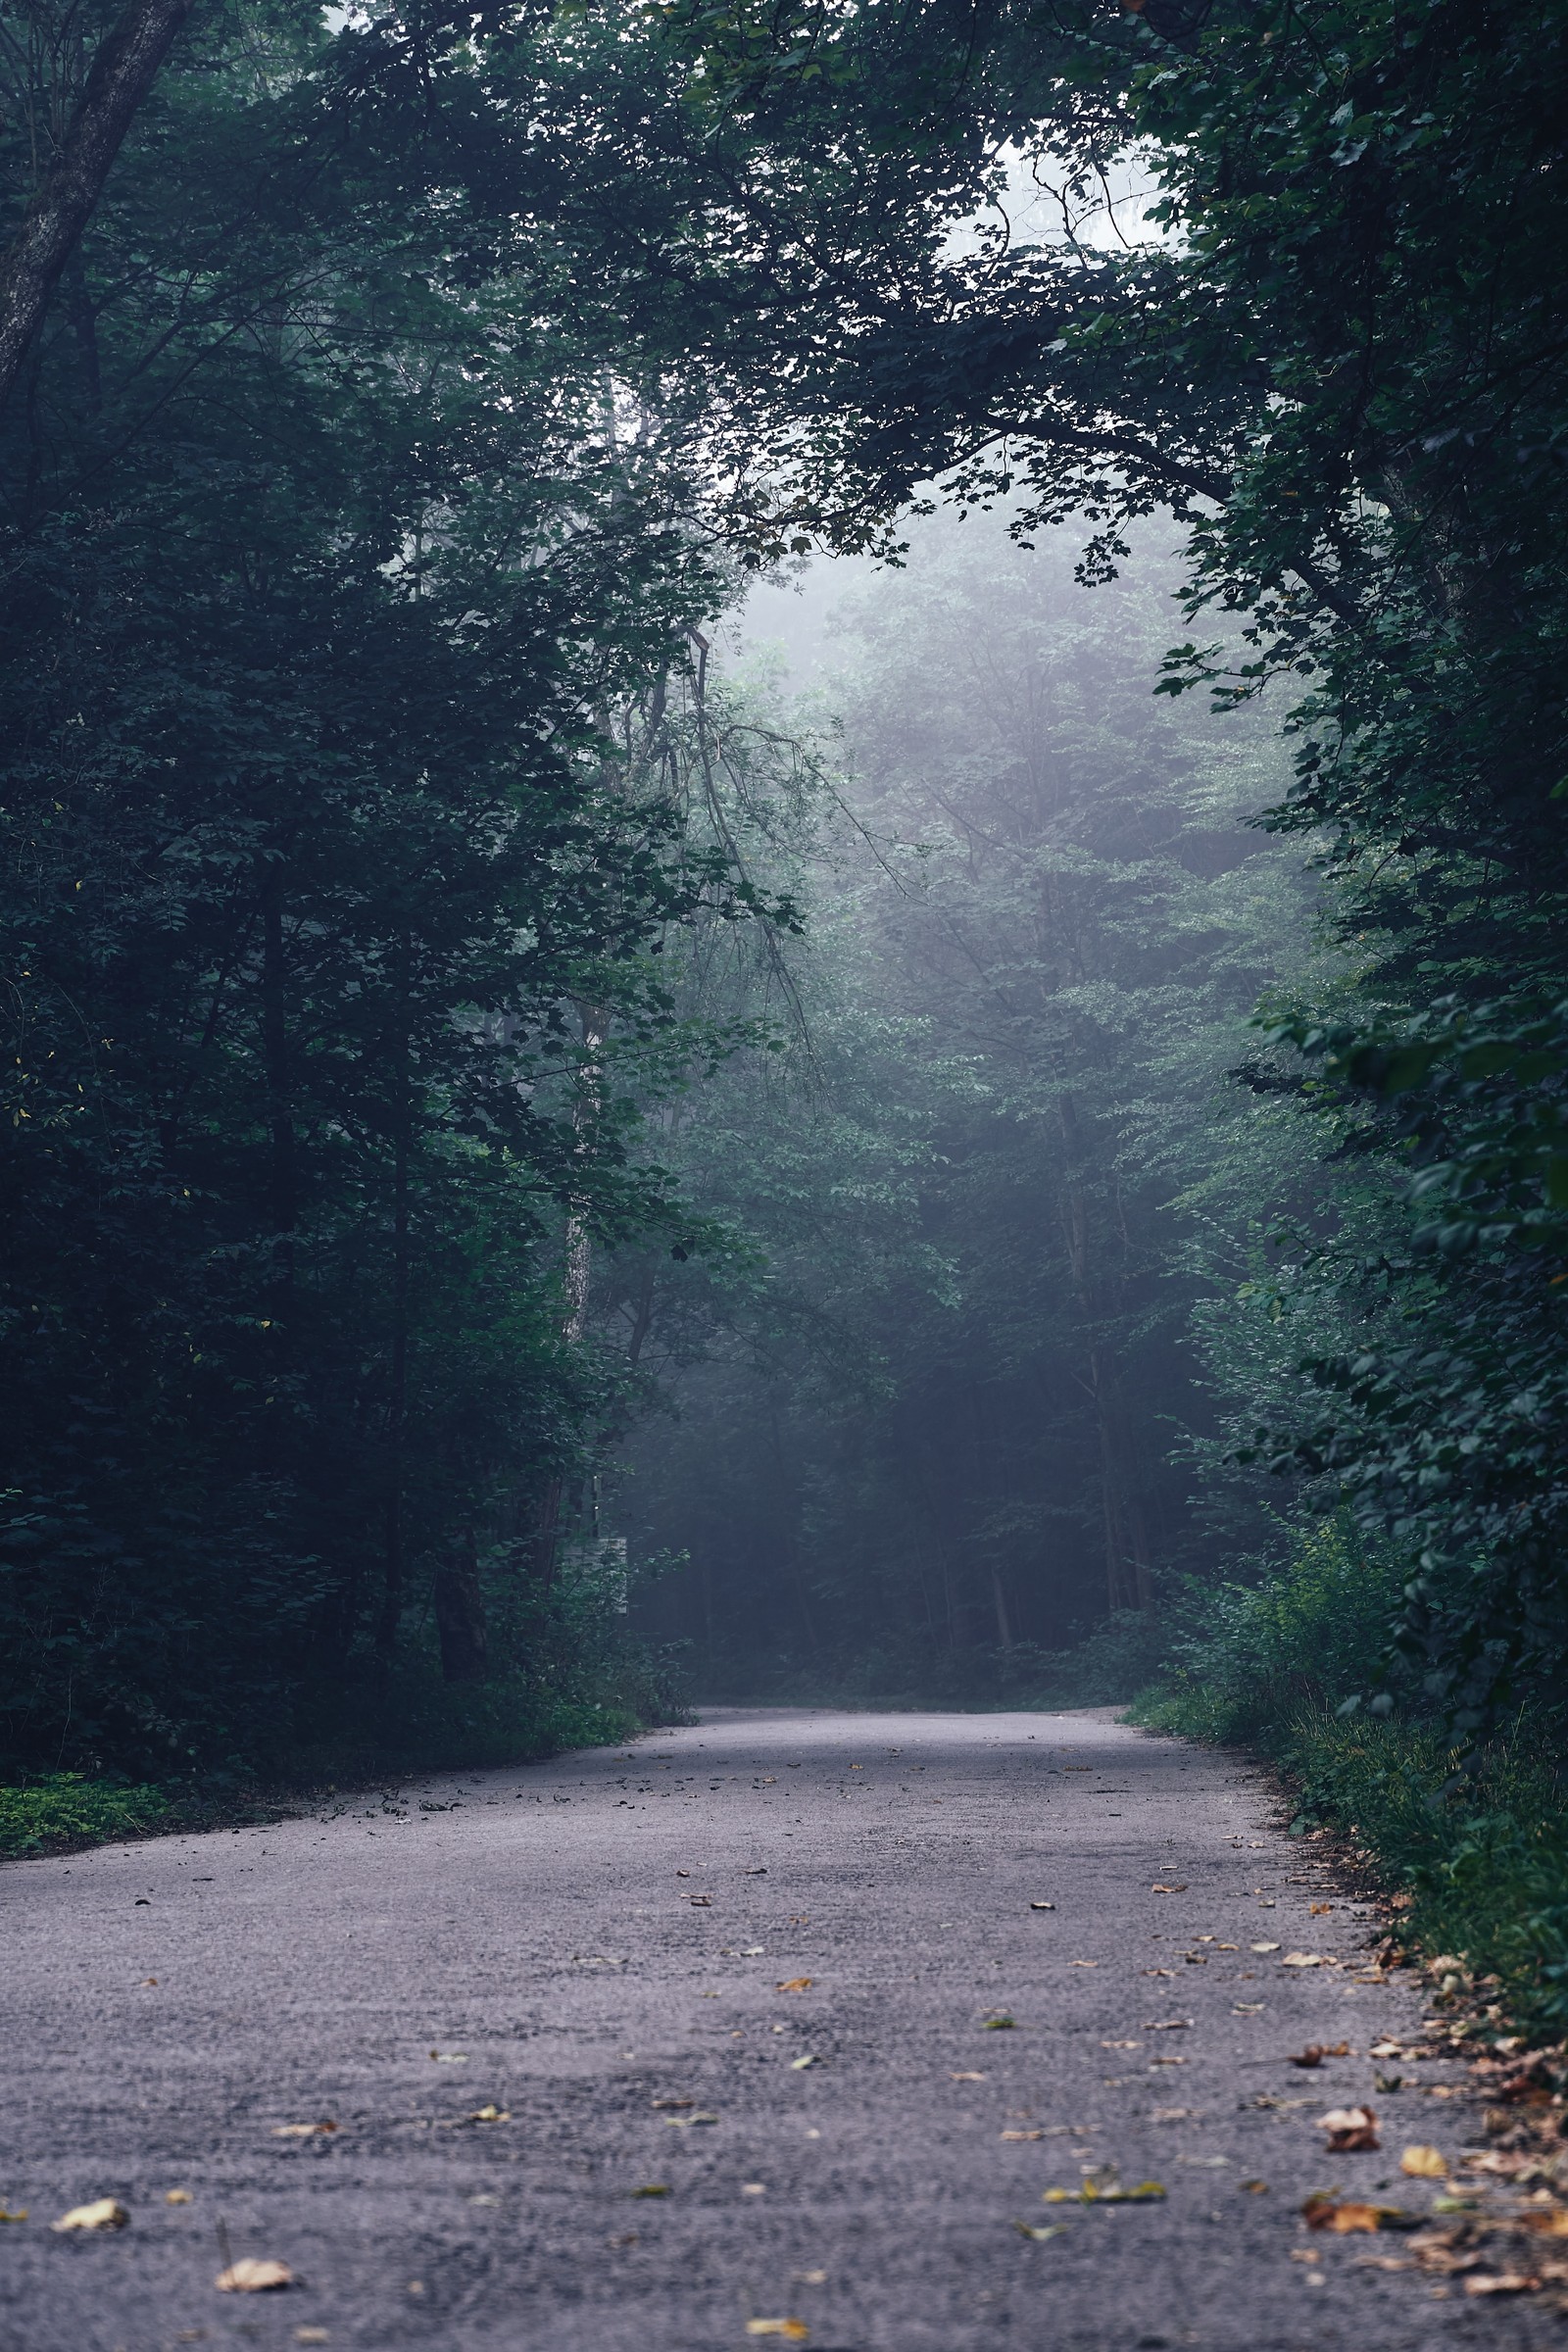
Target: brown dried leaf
column 796, row 1984
column 794, row 2332
column 1349, row 2219
column 1351, row 2129
column 1503, row 2282
column 303, row 2130
column 1177, row 1886
column 1316, row 2051
column 252, row 2277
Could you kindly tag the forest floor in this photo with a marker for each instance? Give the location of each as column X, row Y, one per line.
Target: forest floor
column 685, row 2045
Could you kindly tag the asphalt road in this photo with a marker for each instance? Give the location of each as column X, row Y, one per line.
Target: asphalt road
column 599, row 1952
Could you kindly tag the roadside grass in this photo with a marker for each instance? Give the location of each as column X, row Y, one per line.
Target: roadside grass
column 337, row 1742
column 1478, row 1842
column 66, row 1808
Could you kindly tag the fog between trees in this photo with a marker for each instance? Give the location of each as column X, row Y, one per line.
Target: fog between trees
column 1007, row 1201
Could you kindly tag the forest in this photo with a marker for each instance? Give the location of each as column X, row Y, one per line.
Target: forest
column 784, row 882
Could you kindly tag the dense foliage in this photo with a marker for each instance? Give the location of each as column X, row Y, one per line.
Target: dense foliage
column 414, row 1056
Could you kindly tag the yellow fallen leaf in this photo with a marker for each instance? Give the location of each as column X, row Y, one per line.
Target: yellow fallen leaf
column 1051, row 2229
column 796, row 1984
column 491, row 2115
column 799, row 2065
column 311, row 2335
column 20, row 2215
column 653, row 2188
column 997, row 2025
column 1023, row 2135
column 795, row 2331
column 1262, row 1948
column 106, row 2214
column 303, row 2130
column 1424, row 2164
column 177, row 2196
column 685, row 2122
column 252, row 2277
column 1301, row 1960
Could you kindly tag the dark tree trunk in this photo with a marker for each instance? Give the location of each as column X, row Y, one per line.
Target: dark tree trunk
column 123, row 73
column 460, row 1613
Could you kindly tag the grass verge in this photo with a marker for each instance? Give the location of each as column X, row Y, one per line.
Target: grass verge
column 1479, row 1855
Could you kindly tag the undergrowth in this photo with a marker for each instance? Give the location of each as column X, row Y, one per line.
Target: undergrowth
column 1477, row 1839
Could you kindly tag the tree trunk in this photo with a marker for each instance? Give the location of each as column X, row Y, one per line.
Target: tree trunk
column 460, row 1619
column 123, row 73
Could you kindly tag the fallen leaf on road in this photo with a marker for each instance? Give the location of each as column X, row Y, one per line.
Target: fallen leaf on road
column 1121, row 2046
column 1317, row 1909
column 104, row 2215
column 306, row 2130
column 1225, row 1948
column 311, row 2335
column 965, row 2078
column 653, row 2188
column 1262, row 1948
column 252, row 2277
column 683, row 1873
column 1042, row 1906
column 1253, row 2189
column 1159, row 1971
column 997, row 2025
column 1178, row 1886
column 1505, row 2283
column 491, row 2115
column 1350, row 2130
column 754, row 2188
column 1083, row 1964
column 1023, row 2135
column 1424, row 2164
column 1051, row 2229
column 699, row 1903
column 1146, row 2192
column 796, row 1984
column 1167, row 2062
column 177, row 2196
column 685, row 2122
column 1249, row 2008
column 1351, row 2218
column 450, row 2057
column 1316, row 2051
column 20, row 2216
column 1386, row 2049
column 795, row 2331
column 799, row 2065
column 1301, row 1960
column 1165, row 2025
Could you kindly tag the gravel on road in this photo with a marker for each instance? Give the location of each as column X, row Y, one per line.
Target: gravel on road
column 774, row 2027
